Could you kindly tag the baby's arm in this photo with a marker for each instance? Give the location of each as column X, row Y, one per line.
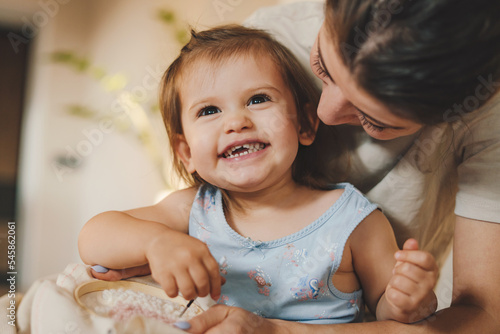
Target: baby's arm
column 157, row 235
column 400, row 290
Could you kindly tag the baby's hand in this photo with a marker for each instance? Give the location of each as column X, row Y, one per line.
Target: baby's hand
column 410, row 290
column 181, row 263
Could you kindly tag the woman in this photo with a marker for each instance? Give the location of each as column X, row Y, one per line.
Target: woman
column 420, row 81
column 421, row 78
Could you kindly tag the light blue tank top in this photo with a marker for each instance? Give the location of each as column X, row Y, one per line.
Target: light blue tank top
column 289, row 278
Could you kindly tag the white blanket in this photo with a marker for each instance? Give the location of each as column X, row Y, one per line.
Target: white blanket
column 49, row 307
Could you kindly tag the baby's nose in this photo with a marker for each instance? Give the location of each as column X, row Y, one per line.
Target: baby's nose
column 237, row 122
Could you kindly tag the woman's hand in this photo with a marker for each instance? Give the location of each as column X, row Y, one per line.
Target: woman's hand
column 106, row 274
column 409, row 294
column 224, row 319
column 181, row 263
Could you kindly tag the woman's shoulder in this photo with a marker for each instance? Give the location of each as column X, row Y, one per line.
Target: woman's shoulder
column 483, row 122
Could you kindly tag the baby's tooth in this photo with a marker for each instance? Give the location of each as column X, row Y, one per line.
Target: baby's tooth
column 250, row 148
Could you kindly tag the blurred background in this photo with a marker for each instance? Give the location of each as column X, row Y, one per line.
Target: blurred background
column 80, row 130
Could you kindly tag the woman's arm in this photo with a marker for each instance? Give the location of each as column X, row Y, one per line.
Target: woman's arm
column 475, row 306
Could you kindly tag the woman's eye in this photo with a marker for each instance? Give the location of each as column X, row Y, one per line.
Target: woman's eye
column 258, row 99
column 318, row 68
column 210, row 110
column 370, row 125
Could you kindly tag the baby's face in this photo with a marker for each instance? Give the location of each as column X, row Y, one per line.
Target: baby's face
column 240, row 124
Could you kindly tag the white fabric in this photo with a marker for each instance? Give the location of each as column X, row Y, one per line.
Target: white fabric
column 420, row 181
column 49, row 307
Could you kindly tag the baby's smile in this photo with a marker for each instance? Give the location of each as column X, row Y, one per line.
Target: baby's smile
column 239, row 150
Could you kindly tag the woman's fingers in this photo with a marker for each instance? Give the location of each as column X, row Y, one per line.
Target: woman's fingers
column 223, row 319
column 208, row 319
column 100, row 272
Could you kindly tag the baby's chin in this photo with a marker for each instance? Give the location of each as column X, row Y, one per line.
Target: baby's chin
column 240, row 185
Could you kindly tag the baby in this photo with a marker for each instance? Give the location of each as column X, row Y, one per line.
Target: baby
column 240, row 113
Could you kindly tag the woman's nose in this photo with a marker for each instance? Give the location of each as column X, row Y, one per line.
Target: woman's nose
column 237, row 121
column 335, row 109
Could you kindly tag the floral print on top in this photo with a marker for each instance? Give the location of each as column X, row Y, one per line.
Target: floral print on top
column 288, row 278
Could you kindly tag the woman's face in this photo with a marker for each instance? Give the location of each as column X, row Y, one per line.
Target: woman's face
column 344, row 102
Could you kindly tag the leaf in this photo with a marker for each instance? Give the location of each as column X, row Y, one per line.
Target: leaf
column 68, row 57
column 81, row 111
column 182, row 36
column 113, row 83
column 167, row 16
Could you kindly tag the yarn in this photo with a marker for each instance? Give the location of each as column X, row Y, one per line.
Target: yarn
column 121, row 305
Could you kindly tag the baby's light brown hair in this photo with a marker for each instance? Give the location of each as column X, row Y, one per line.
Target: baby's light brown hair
column 219, row 44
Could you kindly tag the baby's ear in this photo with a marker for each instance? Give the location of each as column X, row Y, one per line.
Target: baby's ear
column 184, row 152
column 306, row 138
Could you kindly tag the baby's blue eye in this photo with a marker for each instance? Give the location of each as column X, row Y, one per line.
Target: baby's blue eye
column 258, row 99
column 210, row 110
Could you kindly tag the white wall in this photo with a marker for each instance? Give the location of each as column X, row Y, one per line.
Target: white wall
column 122, row 36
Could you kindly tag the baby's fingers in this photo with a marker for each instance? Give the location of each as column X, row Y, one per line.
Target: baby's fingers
column 398, row 298
column 169, row 284
column 214, row 277
column 412, row 272
column 186, row 284
column 419, row 258
column 206, row 278
column 405, row 285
